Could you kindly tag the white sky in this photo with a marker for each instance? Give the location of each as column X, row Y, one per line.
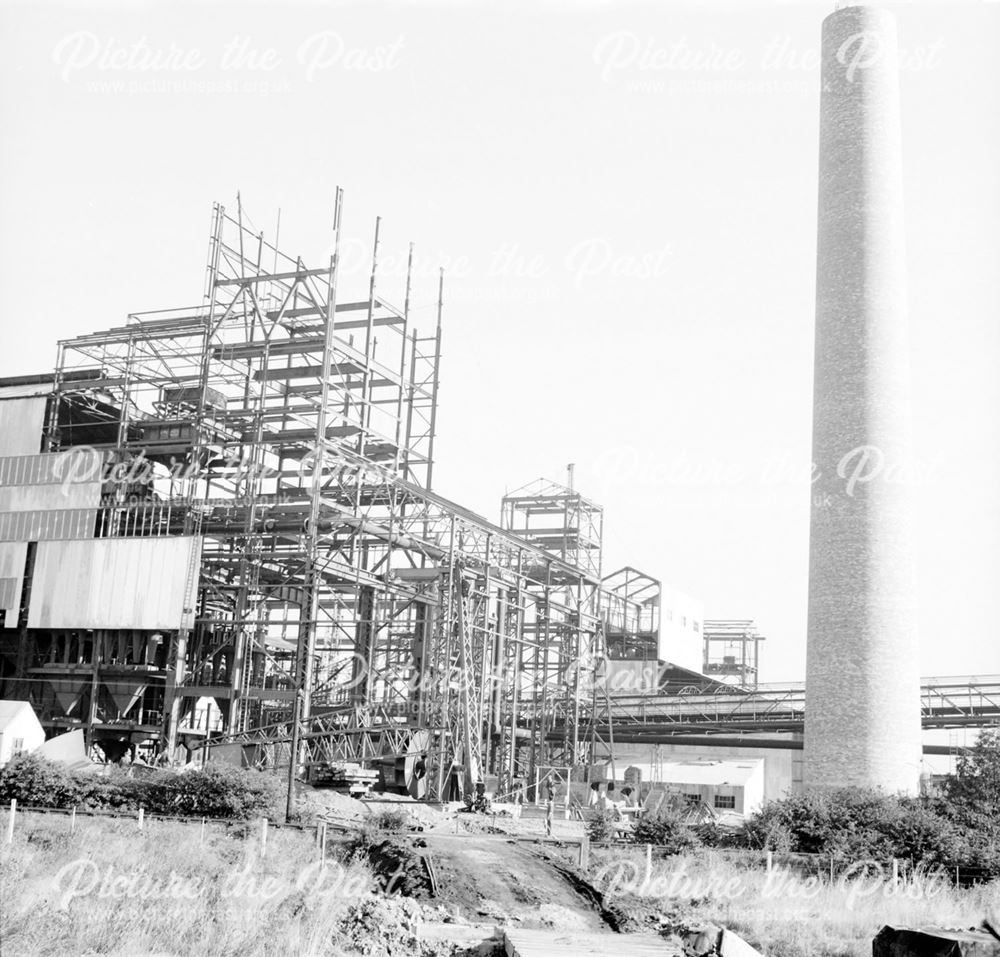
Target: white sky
column 624, row 196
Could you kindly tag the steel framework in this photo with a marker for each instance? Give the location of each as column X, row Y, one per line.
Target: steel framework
column 946, row 702
column 344, row 608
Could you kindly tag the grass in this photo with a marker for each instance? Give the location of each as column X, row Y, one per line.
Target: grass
column 108, row 888
column 787, row 914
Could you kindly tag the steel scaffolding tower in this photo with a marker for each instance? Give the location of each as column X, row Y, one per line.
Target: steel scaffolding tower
column 344, row 609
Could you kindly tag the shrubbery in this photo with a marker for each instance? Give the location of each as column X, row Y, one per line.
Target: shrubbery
column 665, row 829
column 214, row 791
column 35, row 782
column 857, row 824
column 959, row 827
column 389, row 820
column 602, row 827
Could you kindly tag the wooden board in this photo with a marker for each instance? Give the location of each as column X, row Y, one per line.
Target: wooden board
column 556, row 943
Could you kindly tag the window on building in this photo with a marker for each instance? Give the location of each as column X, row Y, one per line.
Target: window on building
column 16, row 746
column 692, row 798
column 725, row 801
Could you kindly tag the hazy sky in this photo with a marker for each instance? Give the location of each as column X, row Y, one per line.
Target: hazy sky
column 624, row 198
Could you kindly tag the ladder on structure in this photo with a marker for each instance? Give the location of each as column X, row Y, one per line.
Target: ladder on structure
column 176, row 660
column 193, row 573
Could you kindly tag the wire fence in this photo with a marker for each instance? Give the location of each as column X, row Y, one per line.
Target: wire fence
column 822, row 866
column 247, row 829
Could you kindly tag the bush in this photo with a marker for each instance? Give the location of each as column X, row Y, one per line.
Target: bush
column 114, row 790
column 665, row 829
column 218, row 790
column 860, row 824
column 711, row 834
column 35, row 782
column 602, row 828
column 389, row 820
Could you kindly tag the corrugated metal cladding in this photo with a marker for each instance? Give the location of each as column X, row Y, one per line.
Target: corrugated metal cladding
column 25, row 389
column 69, row 467
column 12, row 559
column 21, row 422
column 47, row 524
column 44, row 497
column 113, row 583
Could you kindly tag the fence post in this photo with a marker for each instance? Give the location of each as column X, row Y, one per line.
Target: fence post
column 142, row 813
column 322, row 844
column 831, row 868
column 770, row 861
column 72, row 820
column 649, row 860
column 201, row 836
column 10, row 823
column 584, row 852
column 895, row 872
column 263, row 836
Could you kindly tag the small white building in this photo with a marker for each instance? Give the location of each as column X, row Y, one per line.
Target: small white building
column 723, row 785
column 735, row 786
column 20, row 729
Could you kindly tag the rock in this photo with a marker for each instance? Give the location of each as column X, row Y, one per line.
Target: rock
column 733, row 945
column 933, row 942
column 712, row 941
column 702, row 942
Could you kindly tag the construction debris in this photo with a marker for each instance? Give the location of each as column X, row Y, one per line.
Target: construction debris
column 346, row 778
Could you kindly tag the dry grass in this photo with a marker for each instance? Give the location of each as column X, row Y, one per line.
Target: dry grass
column 789, row 915
column 110, row 889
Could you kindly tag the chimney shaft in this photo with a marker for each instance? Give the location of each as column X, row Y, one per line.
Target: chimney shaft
column 862, row 677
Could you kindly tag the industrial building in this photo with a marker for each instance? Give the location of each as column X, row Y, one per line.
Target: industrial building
column 218, row 525
column 735, row 786
column 220, row 536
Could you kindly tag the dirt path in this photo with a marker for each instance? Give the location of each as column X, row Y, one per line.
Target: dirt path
column 510, row 882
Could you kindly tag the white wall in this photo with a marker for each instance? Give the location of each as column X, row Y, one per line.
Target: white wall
column 24, row 725
column 681, row 619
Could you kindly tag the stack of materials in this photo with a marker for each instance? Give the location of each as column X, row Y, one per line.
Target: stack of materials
column 347, row 778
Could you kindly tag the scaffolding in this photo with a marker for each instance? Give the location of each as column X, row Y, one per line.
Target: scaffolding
column 344, row 610
column 632, row 615
column 732, row 652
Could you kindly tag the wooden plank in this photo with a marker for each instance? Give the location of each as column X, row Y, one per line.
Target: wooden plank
column 523, row 942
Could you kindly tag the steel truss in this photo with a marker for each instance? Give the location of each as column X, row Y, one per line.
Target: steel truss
column 343, row 605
